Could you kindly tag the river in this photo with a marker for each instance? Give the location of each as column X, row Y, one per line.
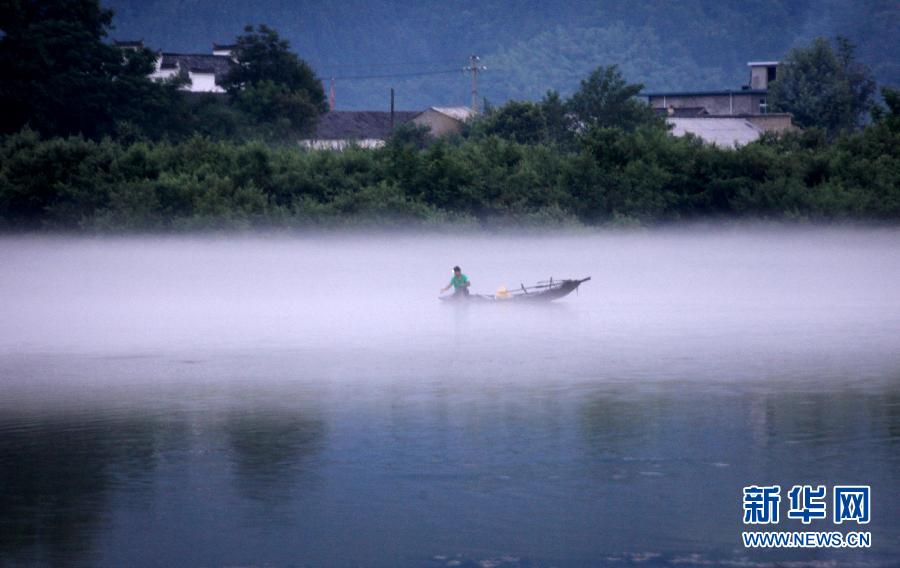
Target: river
column 306, row 400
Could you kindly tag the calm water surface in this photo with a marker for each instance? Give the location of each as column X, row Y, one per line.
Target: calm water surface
column 307, row 401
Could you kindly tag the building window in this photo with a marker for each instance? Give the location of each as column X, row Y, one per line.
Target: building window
column 770, row 74
column 763, row 107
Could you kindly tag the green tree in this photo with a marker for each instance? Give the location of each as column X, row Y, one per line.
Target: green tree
column 824, row 86
column 411, row 136
column 890, row 116
column 556, row 116
column 271, row 84
column 519, row 121
column 60, row 78
column 547, row 121
column 605, row 100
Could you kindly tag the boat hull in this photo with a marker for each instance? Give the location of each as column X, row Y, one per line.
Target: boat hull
column 548, row 293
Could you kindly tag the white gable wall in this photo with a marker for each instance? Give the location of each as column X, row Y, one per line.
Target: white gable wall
column 204, row 83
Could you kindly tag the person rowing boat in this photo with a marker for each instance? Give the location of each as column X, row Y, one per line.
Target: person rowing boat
column 545, row 291
column 459, row 282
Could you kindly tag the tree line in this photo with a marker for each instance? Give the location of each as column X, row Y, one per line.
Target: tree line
column 609, row 176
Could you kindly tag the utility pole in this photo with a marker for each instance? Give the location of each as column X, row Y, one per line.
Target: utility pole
column 474, row 68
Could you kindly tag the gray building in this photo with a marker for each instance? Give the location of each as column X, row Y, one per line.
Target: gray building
column 728, row 117
column 749, row 99
column 339, row 129
column 724, row 102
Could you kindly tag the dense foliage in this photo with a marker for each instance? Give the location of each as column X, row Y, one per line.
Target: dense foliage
column 271, row 84
column 60, row 78
column 824, row 86
column 604, row 100
column 610, row 176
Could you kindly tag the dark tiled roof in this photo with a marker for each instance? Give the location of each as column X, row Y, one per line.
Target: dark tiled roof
column 359, row 124
column 218, row 46
column 220, row 65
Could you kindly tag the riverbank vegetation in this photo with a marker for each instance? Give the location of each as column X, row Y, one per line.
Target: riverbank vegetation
column 608, row 175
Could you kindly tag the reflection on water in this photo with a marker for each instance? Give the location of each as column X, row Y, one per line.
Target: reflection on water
column 549, row 473
column 179, row 403
column 272, row 450
column 58, row 474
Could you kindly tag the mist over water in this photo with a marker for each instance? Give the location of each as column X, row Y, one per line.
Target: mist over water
column 307, row 400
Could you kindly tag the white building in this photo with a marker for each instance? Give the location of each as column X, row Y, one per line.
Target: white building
column 204, row 72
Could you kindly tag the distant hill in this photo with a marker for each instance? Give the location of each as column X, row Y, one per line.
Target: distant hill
column 528, row 46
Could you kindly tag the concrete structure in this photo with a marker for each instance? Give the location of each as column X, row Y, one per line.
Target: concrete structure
column 749, row 99
column 444, row 120
column 724, row 102
column 726, row 118
column 762, row 73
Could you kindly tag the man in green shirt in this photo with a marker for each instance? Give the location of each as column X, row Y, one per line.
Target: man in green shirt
column 460, row 283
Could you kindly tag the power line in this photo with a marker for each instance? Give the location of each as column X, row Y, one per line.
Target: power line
column 321, row 65
column 395, row 75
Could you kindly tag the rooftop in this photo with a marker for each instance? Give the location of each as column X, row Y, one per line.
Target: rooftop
column 459, row 113
column 359, row 124
column 725, row 132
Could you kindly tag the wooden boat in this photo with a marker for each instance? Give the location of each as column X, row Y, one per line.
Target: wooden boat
column 545, row 291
